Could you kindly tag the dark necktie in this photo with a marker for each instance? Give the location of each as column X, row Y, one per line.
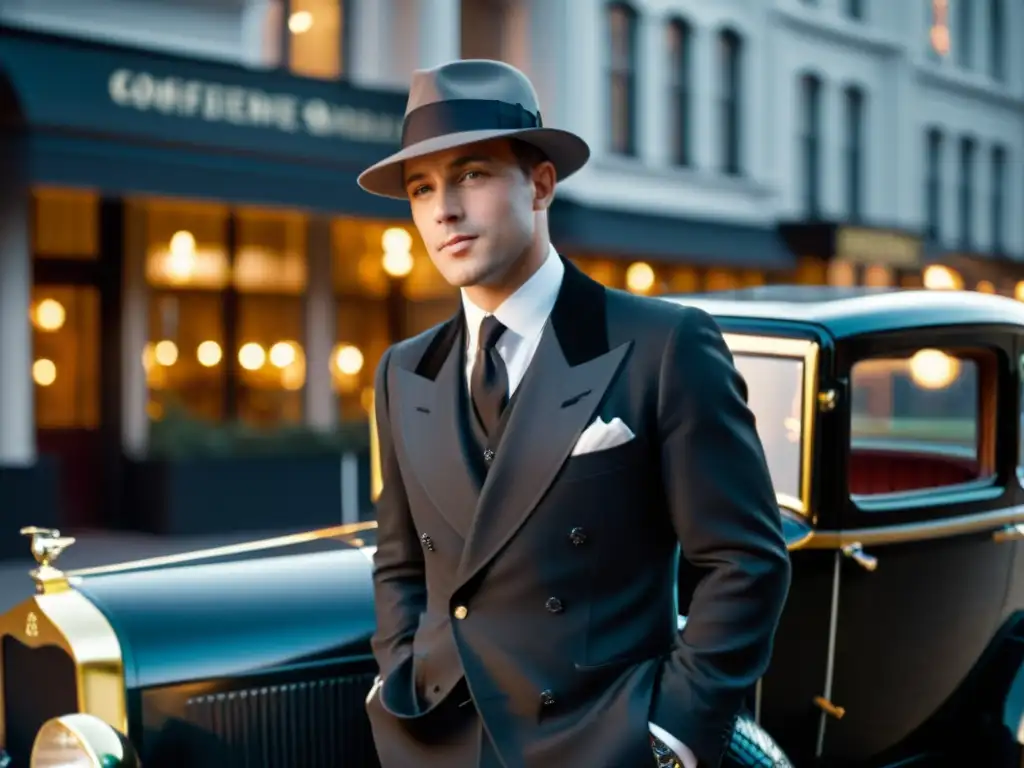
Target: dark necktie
column 489, row 379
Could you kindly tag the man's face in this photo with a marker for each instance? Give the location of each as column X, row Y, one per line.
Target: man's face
column 475, row 208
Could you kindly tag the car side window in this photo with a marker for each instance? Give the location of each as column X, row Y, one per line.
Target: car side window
column 918, row 422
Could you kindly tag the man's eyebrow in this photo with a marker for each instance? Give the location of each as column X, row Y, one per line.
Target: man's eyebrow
column 458, row 162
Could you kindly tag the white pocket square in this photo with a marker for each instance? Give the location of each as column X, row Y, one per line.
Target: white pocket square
column 602, row 435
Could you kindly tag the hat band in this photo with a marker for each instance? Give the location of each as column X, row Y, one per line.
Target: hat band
column 443, row 118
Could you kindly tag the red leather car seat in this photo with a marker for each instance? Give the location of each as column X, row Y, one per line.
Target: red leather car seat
column 886, row 471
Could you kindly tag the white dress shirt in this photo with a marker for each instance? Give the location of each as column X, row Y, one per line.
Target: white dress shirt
column 524, row 314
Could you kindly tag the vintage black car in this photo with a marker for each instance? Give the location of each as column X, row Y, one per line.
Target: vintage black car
column 892, row 425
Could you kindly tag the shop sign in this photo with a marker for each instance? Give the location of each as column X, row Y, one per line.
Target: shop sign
column 213, row 102
column 878, row 246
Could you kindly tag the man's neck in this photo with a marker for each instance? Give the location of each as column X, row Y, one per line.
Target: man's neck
column 490, row 297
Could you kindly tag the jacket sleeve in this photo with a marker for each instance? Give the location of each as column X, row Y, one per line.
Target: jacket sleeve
column 724, row 511
column 398, row 575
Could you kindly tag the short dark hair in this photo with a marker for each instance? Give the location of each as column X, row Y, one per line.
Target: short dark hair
column 528, row 155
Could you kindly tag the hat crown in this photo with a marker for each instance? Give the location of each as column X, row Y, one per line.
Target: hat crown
column 471, row 79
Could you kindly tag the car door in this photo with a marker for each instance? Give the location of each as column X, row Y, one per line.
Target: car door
column 920, row 579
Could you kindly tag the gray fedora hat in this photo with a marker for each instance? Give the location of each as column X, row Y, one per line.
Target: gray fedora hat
column 464, row 102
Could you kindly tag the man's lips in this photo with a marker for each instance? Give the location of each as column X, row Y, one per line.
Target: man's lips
column 454, row 241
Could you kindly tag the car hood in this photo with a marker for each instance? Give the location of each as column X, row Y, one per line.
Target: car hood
column 221, row 613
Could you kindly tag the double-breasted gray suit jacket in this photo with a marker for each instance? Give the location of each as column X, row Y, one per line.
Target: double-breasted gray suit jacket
column 550, row 585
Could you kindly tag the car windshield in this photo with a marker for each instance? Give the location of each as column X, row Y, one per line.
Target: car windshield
column 775, row 388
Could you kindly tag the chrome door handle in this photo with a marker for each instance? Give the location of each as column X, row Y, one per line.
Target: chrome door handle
column 856, row 553
column 1013, row 532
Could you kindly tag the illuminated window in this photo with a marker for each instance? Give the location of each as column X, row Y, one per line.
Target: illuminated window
column 622, row 79
column 65, row 224
column 938, row 31
column 315, row 35
column 66, row 356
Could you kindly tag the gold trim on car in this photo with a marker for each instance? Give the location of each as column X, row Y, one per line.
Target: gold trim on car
column 961, row 525
column 69, row 621
column 807, row 351
column 288, row 540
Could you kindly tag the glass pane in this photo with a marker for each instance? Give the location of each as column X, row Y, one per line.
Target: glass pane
column 423, row 315
column 66, row 224
column 271, row 254
column 914, row 422
column 358, row 262
column 315, row 28
column 185, row 244
column 362, row 335
column 621, row 113
column 184, row 359
column 775, row 395
column 620, row 25
column 65, row 339
column 271, row 360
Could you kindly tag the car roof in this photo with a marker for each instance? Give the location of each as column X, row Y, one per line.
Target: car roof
column 847, row 312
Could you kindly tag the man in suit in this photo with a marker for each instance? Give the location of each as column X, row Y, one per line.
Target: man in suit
column 545, row 454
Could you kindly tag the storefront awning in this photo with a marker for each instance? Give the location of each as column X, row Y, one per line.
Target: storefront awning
column 578, row 228
column 126, row 120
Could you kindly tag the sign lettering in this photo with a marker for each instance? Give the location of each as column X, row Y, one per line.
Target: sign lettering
column 213, row 102
column 868, row 246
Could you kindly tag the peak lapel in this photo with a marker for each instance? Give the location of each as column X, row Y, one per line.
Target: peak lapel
column 430, row 419
column 561, row 393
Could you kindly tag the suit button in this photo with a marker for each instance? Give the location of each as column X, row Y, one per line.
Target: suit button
column 461, row 612
column 577, row 536
column 427, row 542
column 488, row 455
column 547, row 698
column 554, row 605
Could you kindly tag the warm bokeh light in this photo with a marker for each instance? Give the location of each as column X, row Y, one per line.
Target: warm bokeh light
column 50, row 315
column 44, row 372
column 165, row 353
column 396, row 243
column 251, row 356
column 986, row 286
column 348, row 359
column 640, row 277
column 181, row 261
column 933, row 369
column 209, row 354
column 300, row 22
column 940, row 278
column 282, row 354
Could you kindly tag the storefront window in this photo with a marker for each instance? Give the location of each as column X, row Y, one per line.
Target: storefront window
column 315, row 30
column 221, row 323
column 65, row 224
column 65, row 348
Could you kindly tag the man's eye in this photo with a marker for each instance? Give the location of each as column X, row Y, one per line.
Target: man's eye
column 417, row 191
column 471, row 174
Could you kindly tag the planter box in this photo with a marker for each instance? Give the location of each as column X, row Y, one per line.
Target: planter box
column 258, row 494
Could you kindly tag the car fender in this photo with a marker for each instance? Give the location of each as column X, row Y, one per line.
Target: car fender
column 1013, row 706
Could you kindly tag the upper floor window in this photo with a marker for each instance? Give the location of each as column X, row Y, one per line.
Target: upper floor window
column 933, row 186
column 731, row 94
column 998, row 203
column 855, row 9
column 314, row 37
column 997, row 38
column 680, row 41
column 810, row 140
column 938, row 28
column 964, row 30
column 854, row 152
column 967, row 151
column 622, row 91
column 483, row 28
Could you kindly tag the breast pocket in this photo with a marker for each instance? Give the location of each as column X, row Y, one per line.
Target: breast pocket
column 588, row 465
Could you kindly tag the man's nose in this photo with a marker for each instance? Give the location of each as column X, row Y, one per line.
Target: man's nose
column 449, row 207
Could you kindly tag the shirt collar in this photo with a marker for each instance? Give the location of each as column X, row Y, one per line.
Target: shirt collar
column 525, row 311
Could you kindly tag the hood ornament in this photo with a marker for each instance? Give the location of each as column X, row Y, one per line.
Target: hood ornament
column 47, row 545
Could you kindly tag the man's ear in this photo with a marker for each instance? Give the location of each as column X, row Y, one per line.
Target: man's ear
column 544, row 179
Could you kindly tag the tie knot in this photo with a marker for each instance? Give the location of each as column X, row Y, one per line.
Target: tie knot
column 490, row 331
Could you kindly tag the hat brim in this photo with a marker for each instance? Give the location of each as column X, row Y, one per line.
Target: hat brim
column 567, row 151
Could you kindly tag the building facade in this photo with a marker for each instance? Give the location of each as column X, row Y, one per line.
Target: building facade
column 183, row 246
